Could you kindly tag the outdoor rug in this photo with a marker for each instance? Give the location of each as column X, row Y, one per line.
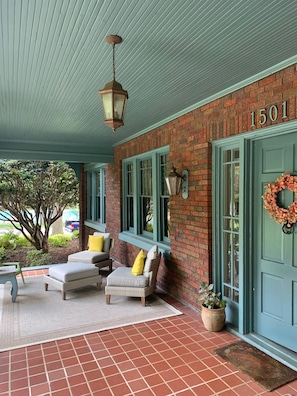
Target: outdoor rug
column 38, row 316
column 260, row 367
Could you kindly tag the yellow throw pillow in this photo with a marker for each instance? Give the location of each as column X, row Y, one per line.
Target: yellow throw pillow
column 138, row 265
column 96, row 243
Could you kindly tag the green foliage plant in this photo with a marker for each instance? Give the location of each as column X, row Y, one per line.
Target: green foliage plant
column 9, row 240
column 59, row 240
column 2, row 254
column 34, row 194
column 210, row 299
column 35, row 258
column 75, row 234
column 22, row 241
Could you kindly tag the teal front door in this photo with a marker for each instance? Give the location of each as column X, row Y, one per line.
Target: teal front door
column 274, row 257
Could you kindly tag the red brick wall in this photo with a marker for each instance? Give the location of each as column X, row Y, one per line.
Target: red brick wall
column 189, row 138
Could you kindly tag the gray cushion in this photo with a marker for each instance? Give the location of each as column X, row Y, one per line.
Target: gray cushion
column 123, row 276
column 86, row 256
column 151, row 255
column 106, row 243
column 71, row 271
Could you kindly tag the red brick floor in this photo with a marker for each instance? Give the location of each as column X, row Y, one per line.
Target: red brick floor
column 172, row 356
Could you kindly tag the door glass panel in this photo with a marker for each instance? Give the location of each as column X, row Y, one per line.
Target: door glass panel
column 230, row 205
column 235, row 264
column 227, row 258
column 227, row 190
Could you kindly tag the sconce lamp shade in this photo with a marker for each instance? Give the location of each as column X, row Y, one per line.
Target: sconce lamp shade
column 114, row 100
column 173, row 181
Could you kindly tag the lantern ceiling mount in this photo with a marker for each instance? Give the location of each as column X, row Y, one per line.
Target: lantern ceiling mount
column 113, row 96
column 113, row 39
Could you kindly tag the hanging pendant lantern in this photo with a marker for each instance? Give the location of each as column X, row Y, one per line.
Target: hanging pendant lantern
column 113, row 96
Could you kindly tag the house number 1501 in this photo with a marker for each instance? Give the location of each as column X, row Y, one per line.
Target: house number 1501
column 271, row 113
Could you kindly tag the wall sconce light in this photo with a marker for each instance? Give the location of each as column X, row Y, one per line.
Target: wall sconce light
column 113, row 96
column 175, row 181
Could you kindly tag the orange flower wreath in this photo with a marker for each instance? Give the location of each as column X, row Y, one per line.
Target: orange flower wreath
column 281, row 215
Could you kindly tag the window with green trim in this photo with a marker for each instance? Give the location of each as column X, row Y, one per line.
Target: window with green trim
column 96, row 198
column 146, row 199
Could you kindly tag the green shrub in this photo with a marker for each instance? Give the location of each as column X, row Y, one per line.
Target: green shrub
column 22, row 241
column 8, row 240
column 36, row 257
column 59, row 240
column 2, row 254
column 75, row 234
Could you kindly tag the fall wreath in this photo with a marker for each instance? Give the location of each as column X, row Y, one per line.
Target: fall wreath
column 281, row 215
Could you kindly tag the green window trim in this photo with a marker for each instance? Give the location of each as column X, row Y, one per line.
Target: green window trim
column 145, row 200
column 227, row 225
column 96, row 196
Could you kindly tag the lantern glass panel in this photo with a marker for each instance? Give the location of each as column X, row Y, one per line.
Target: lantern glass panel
column 107, row 105
column 119, row 102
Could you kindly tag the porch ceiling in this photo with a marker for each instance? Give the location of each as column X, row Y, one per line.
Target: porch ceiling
column 175, row 54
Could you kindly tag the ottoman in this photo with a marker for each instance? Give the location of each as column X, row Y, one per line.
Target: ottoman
column 72, row 276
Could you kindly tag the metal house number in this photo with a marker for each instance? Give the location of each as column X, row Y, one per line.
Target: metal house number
column 271, row 113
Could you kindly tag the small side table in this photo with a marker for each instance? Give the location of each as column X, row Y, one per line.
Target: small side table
column 7, row 274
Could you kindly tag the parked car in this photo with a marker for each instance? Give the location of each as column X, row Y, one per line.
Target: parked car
column 71, row 225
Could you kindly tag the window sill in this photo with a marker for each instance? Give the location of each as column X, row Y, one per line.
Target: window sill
column 144, row 243
column 95, row 225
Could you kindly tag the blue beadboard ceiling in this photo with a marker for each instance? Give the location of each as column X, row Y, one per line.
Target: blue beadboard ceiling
column 175, row 55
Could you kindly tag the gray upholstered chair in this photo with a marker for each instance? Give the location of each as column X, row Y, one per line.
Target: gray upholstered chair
column 122, row 282
column 100, row 259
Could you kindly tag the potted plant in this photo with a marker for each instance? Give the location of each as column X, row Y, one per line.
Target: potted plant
column 212, row 309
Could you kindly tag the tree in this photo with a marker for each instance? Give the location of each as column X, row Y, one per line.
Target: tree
column 33, row 195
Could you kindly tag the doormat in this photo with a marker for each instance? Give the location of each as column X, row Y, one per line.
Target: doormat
column 260, row 367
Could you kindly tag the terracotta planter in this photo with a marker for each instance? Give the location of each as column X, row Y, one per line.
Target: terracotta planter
column 213, row 319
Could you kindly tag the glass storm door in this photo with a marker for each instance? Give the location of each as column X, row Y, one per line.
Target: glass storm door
column 275, row 253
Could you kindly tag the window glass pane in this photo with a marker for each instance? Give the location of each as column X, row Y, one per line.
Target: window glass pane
column 146, row 177
column 130, row 197
column 89, row 196
column 163, row 174
column 130, row 179
column 98, row 196
column 130, row 214
column 147, row 214
column 236, row 154
column 227, row 156
column 146, row 199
